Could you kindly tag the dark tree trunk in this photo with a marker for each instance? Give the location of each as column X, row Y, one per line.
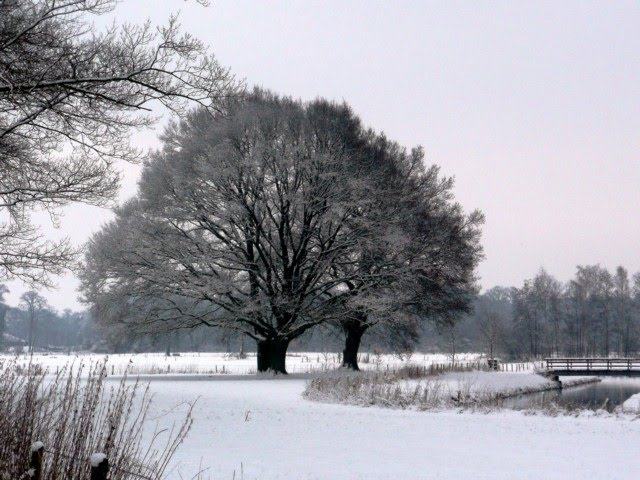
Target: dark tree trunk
column 241, row 353
column 31, row 333
column 272, row 354
column 353, row 331
column 167, row 352
column 262, row 356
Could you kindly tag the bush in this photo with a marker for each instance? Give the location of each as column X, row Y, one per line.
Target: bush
column 379, row 389
column 75, row 415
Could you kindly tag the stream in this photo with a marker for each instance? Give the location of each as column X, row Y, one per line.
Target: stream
column 607, row 394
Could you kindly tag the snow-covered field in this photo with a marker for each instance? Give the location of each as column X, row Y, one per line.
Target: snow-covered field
column 220, row 363
column 264, row 428
column 255, row 427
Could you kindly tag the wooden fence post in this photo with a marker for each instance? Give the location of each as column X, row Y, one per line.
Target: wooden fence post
column 37, row 460
column 99, row 466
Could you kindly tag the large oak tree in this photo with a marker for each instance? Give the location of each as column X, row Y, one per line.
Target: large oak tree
column 277, row 216
column 242, row 222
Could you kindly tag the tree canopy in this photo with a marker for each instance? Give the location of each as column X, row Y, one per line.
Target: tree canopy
column 69, row 98
column 272, row 217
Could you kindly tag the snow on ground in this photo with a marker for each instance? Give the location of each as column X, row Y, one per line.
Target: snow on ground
column 265, row 428
column 491, row 384
column 221, row 363
column 478, row 382
column 261, row 428
column 632, row 404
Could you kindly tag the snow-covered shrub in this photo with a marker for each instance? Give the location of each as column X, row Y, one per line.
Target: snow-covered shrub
column 411, row 388
column 74, row 415
column 379, row 389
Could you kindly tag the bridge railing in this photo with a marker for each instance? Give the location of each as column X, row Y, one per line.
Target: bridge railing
column 588, row 364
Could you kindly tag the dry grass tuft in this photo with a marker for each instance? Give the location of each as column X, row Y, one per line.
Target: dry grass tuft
column 75, row 415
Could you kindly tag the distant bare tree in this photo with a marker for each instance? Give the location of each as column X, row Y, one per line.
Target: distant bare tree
column 33, row 303
column 451, row 333
column 633, row 337
column 538, row 315
column 69, row 98
column 492, row 328
column 592, row 297
column 623, row 312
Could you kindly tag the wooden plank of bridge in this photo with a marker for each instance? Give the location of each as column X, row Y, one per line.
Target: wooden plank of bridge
column 593, row 364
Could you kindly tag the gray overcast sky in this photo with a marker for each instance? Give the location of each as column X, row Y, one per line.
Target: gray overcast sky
column 534, row 107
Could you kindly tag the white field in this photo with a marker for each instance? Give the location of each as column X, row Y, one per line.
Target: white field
column 632, row 404
column 220, row 363
column 249, row 427
column 264, row 428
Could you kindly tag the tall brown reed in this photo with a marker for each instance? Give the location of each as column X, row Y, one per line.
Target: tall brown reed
column 75, row 414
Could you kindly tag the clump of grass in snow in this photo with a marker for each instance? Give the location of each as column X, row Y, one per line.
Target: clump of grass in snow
column 75, row 415
column 400, row 389
column 384, row 389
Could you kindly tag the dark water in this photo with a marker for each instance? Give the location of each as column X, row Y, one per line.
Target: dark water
column 607, row 394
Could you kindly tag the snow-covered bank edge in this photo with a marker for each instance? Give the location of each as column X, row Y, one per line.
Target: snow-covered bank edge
column 577, row 382
column 467, row 390
column 631, row 405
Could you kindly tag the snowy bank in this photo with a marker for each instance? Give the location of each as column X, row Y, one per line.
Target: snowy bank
column 466, row 389
column 632, row 404
column 266, row 430
column 498, row 385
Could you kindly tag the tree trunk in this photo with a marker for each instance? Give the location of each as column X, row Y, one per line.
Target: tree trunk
column 241, row 353
column 31, row 335
column 262, row 356
column 167, row 352
column 354, row 332
column 272, row 355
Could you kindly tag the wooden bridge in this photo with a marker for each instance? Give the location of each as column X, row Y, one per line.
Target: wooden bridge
column 629, row 367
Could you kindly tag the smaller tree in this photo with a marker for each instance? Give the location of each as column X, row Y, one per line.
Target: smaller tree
column 491, row 329
column 452, row 338
column 622, row 320
column 418, row 262
column 493, row 308
column 33, row 303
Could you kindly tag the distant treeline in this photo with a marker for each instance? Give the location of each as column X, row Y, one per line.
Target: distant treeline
column 52, row 331
column 597, row 313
